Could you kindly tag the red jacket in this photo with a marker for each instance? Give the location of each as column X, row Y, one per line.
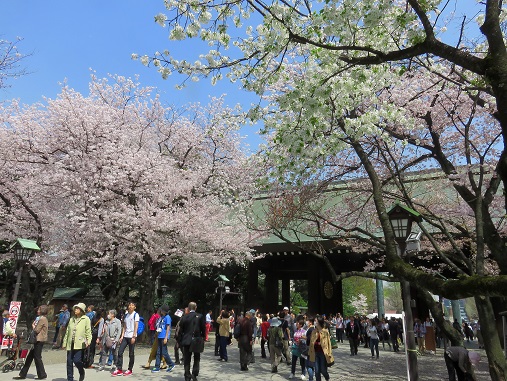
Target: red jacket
column 153, row 321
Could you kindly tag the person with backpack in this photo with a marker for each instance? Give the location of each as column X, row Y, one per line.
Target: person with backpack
column 128, row 339
column 275, row 343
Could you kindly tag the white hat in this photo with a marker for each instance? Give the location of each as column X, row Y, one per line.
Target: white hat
column 285, row 308
column 82, row 306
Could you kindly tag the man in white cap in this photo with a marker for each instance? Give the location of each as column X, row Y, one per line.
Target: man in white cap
column 288, row 333
column 459, row 361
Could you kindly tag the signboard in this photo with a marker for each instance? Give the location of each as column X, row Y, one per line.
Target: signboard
column 14, row 310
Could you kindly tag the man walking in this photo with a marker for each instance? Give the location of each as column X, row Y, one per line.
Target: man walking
column 191, row 325
column 352, row 330
column 394, row 331
column 245, row 340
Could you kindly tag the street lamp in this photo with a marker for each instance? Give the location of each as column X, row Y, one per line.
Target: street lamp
column 221, row 279
column 401, row 218
column 23, row 251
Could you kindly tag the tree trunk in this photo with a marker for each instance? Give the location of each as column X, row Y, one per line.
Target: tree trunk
column 147, row 292
column 496, row 360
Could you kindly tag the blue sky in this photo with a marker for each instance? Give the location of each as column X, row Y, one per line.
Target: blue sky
column 68, row 38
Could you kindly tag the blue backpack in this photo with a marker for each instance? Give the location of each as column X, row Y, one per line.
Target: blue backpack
column 140, row 326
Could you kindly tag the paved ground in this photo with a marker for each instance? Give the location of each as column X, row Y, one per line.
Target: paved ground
column 390, row 367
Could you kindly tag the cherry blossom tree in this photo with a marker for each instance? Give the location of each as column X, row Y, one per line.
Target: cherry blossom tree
column 348, row 53
column 448, row 135
column 117, row 180
column 10, row 61
column 360, row 304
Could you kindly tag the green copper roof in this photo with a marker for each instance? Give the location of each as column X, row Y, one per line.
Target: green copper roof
column 26, row 244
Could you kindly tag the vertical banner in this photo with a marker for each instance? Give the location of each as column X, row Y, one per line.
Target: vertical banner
column 12, row 323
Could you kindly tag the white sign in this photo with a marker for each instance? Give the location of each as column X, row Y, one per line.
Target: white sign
column 14, row 310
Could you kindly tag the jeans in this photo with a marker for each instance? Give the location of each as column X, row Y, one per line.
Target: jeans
column 75, row 357
column 320, row 366
column 374, row 346
column 55, row 337
column 35, row 355
column 107, row 353
column 223, row 347
column 311, row 372
column 162, row 352
column 302, row 362
column 126, row 342
column 339, row 334
column 153, row 336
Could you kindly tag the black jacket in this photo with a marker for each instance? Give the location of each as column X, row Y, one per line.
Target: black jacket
column 357, row 330
column 192, row 324
column 394, row 328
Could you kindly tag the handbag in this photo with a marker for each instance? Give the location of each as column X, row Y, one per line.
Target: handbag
column 295, row 350
column 108, row 342
column 303, row 347
column 196, row 344
column 32, row 337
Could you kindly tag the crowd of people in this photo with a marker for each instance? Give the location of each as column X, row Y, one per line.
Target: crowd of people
column 303, row 341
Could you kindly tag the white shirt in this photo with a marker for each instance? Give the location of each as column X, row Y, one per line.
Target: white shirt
column 130, row 324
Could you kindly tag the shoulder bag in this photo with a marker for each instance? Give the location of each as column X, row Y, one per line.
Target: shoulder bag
column 197, row 342
column 32, row 336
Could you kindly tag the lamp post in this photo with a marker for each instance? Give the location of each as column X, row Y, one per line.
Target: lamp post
column 221, row 279
column 401, row 218
column 23, row 251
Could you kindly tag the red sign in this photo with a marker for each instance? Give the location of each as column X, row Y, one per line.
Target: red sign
column 14, row 310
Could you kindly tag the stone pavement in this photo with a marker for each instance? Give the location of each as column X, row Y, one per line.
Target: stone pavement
column 390, row 366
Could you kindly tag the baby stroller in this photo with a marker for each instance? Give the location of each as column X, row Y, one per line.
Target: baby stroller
column 15, row 356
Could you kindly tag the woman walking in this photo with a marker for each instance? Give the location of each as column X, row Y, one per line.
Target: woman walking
column 299, row 336
column 320, row 349
column 373, row 332
column 40, row 326
column 77, row 338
